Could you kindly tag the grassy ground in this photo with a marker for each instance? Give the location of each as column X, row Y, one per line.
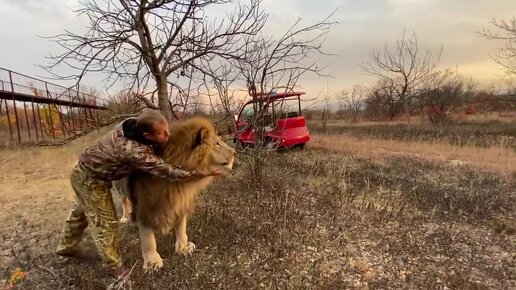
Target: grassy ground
column 335, row 216
column 498, row 159
column 481, row 134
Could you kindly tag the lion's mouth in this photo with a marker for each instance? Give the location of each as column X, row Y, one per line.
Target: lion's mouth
column 227, row 166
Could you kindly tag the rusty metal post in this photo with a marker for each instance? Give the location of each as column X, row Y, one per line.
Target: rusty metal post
column 70, row 122
column 79, row 111
column 50, row 112
column 27, row 120
column 91, row 117
column 14, row 107
column 85, row 111
column 80, row 118
column 67, row 121
column 34, row 119
column 61, row 121
column 71, row 114
column 299, row 103
column 97, row 120
column 63, row 118
column 8, row 120
column 84, row 115
column 51, row 122
column 40, row 124
column 76, row 121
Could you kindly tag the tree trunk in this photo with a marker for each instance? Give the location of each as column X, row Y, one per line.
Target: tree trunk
column 407, row 111
column 355, row 116
column 161, row 83
column 422, row 115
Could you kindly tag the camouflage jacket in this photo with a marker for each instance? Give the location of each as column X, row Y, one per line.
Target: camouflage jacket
column 115, row 155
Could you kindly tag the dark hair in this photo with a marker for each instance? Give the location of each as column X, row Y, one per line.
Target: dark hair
column 146, row 120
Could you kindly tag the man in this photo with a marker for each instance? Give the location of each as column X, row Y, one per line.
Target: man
column 126, row 148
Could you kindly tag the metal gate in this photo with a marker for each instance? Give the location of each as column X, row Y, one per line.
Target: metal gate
column 33, row 111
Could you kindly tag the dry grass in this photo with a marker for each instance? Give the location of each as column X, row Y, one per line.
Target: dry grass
column 502, row 117
column 498, row 159
column 484, row 134
column 335, row 216
column 340, row 123
column 39, row 175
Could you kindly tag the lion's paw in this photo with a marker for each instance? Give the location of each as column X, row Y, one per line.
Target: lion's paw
column 152, row 262
column 185, row 249
column 125, row 220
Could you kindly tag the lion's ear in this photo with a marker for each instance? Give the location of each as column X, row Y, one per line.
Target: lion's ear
column 201, row 134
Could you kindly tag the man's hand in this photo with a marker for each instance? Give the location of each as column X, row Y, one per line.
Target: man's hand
column 193, row 175
column 215, row 172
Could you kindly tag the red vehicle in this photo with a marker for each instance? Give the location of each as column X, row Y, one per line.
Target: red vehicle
column 280, row 118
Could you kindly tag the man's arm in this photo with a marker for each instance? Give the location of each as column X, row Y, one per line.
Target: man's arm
column 143, row 159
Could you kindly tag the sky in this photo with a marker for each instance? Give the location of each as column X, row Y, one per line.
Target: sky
column 362, row 24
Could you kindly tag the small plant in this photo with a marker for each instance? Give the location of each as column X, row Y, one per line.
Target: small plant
column 17, row 276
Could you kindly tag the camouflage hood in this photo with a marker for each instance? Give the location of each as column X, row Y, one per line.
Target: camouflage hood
column 131, row 131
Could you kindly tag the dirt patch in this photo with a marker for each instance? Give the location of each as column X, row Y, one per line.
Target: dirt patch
column 35, row 182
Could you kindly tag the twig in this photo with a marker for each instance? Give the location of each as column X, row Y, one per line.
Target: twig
column 51, row 272
column 246, row 153
column 121, row 281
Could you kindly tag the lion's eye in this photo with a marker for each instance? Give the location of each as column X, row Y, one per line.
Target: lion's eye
column 218, row 144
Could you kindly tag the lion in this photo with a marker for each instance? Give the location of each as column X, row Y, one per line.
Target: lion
column 157, row 205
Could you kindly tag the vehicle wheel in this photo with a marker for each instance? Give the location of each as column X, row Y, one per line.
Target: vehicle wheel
column 302, row 146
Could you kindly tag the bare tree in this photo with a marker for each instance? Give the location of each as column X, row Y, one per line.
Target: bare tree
column 325, row 110
column 443, row 93
column 140, row 41
column 342, row 97
column 506, row 31
column 275, row 65
column 404, row 67
column 124, row 102
column 341, row 107
column 219, row 84
column 381, row 103
column 353, row 101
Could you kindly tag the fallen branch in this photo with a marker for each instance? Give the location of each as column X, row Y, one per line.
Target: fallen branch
column 120, row 283
column 51, row 272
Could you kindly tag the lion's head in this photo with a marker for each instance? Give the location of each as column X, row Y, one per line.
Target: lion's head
column 194, row 145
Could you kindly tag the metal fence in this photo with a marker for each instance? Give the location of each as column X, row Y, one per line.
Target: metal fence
column 34, row 111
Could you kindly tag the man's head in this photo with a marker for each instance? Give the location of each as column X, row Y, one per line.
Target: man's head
column 153, row 125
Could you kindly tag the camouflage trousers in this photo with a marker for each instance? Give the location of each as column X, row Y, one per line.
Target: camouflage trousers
column 94, row 207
